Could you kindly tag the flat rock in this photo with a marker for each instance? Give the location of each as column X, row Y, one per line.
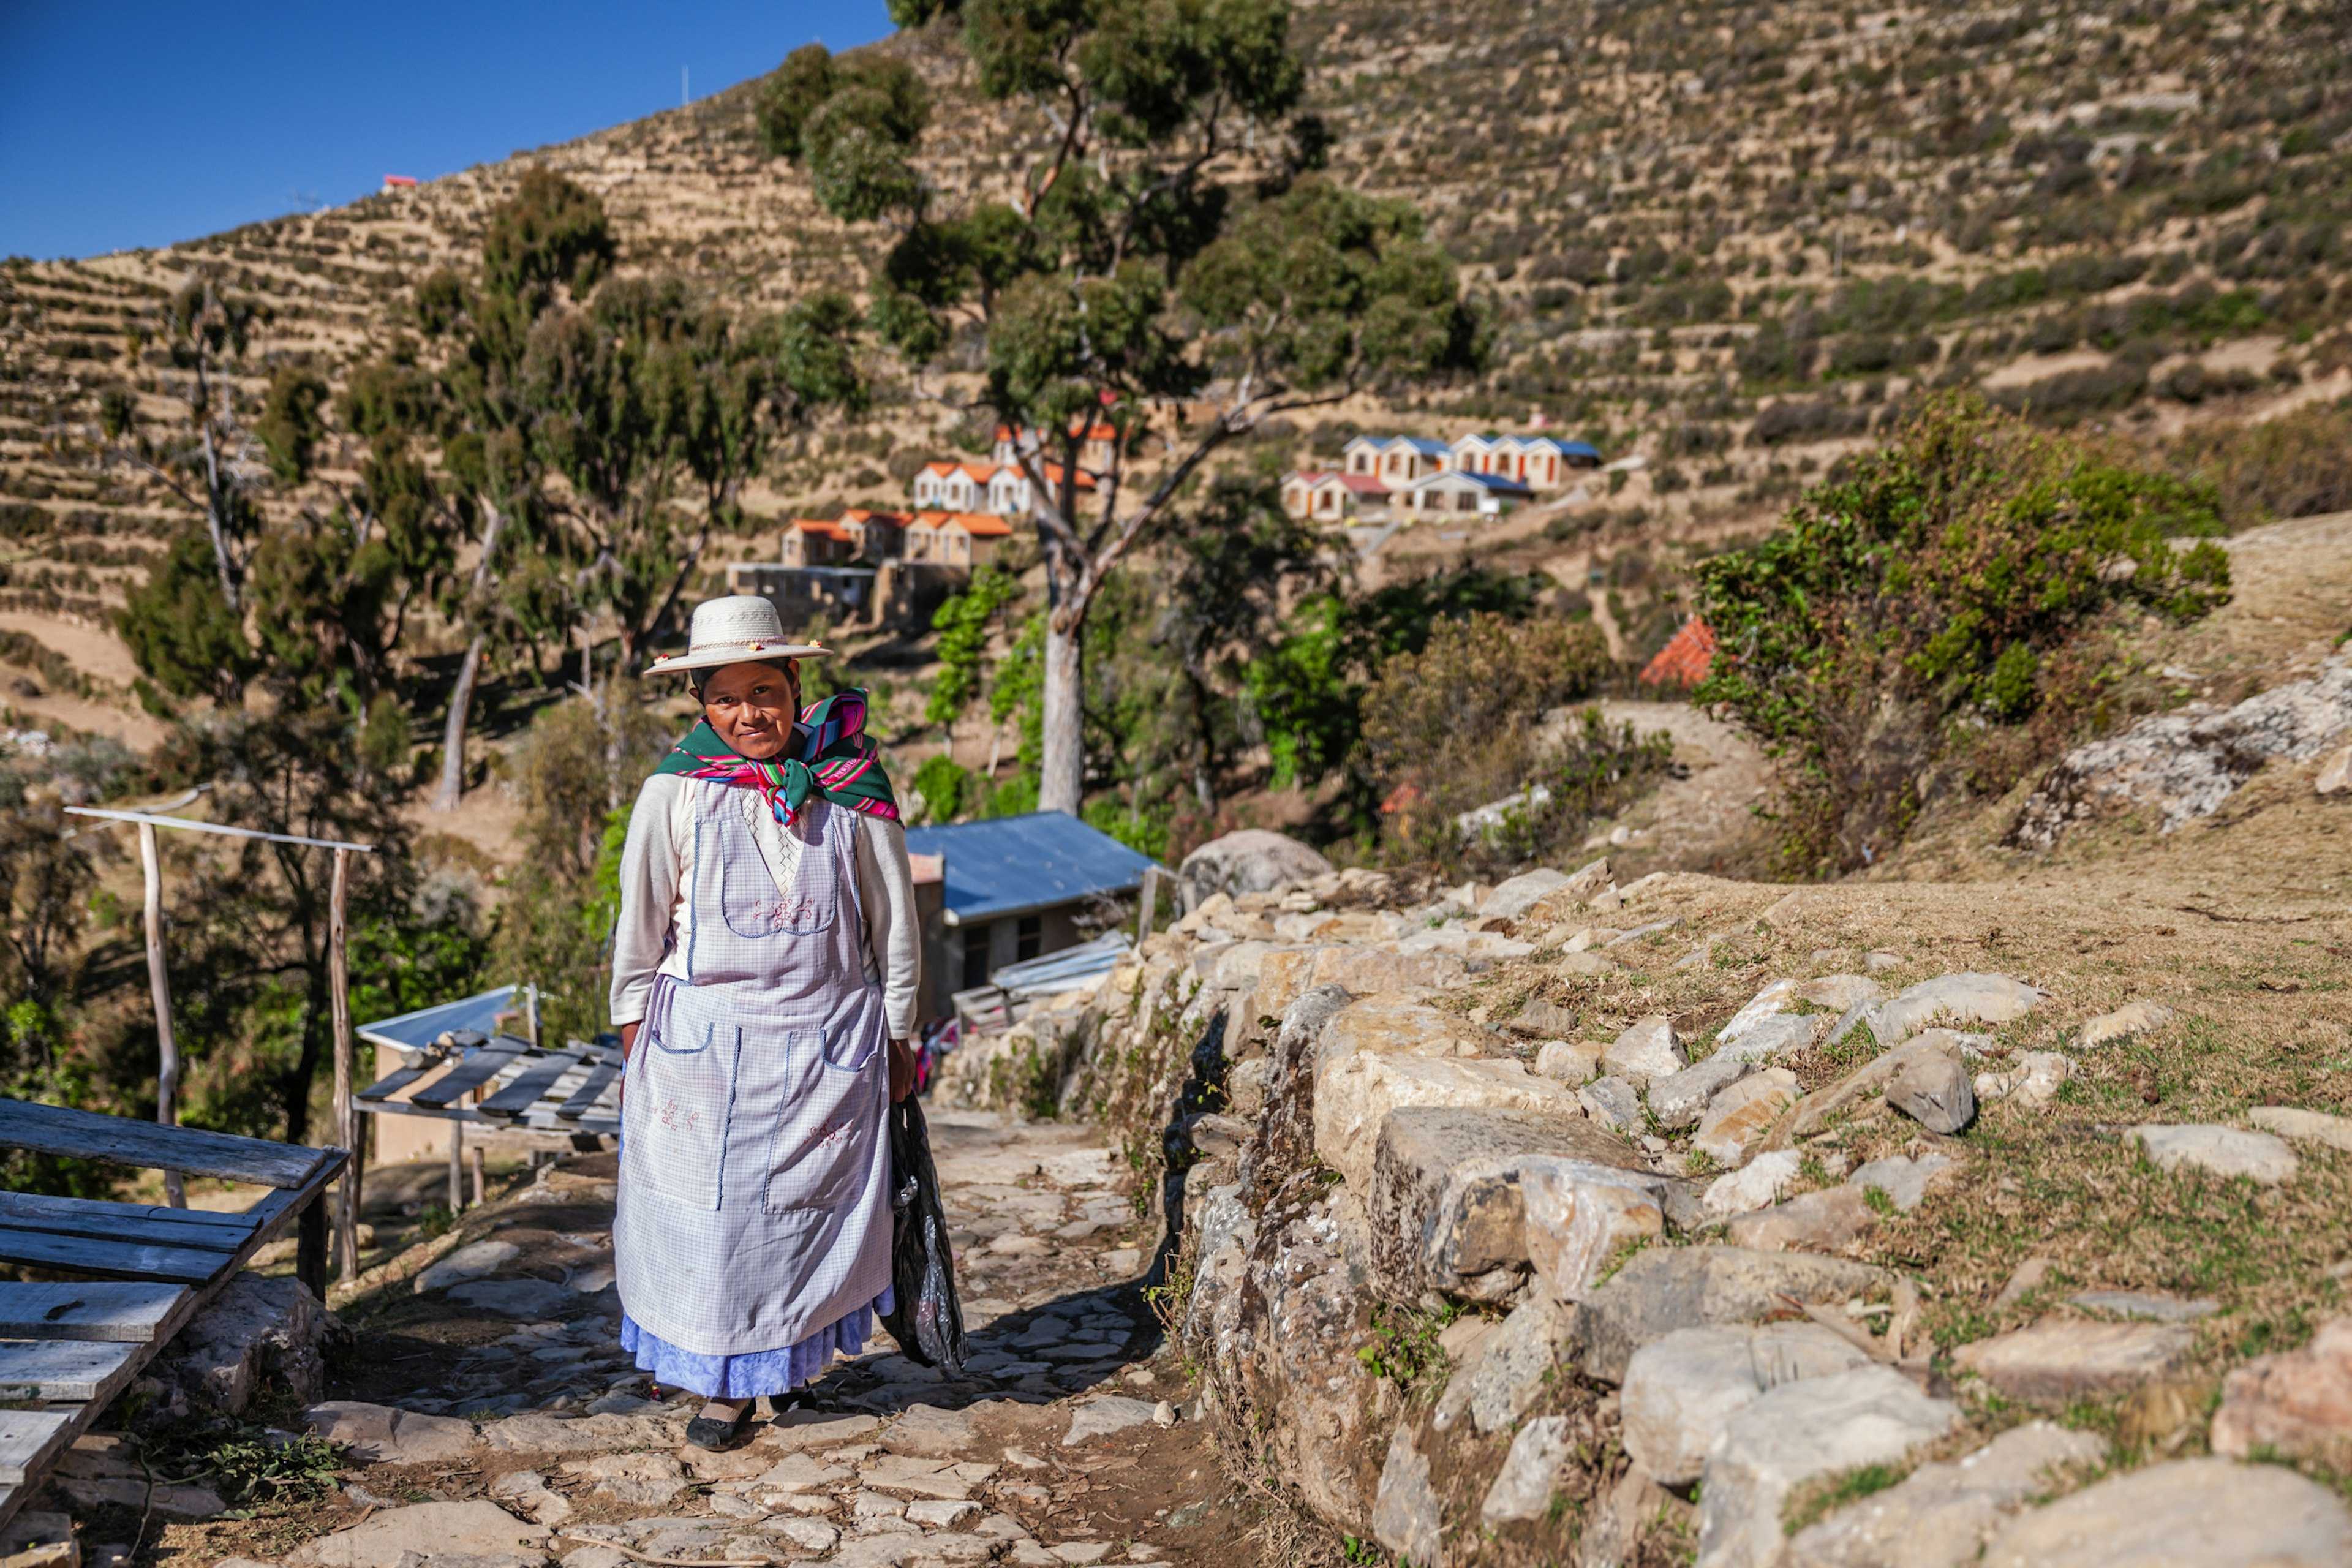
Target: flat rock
column 1515, row 1364
column 531, row 1299
column 478, row 1527
column 537, row 1434
column 1252, row 860
column 1514, row 896
column 1354, row 1096
column 1588, row 963
column 1905, row 1180
column 1776, row 1038
column 1682, row 1390
column 929, row 1429
column 1933, row 1089
column 1840, row 993
column 380, row 1435
column 1445, row 1210
column 1569, row 1061
column 1776, row 998
column 1813, row 1426
column 1738, row 1119
column 1101, row 1417
column 2298, row 1403
column 1407, row 1517
column 2223, row 1151
column 1825, row 1221
column 1754, row 1187
column 2059, row 1359
column 1679, row 1100
column 2152, row 1305
column 817, row 1429
column 2131, row 1018
column 1823, row 1104
column 2190, row 1513
column 1523, row 1488
column 2032, row 1078
column 1942, row 1513
column 1968, row 997
column 1646, row 1051
column 1665, row 1289
column 473, row 1261
column 1614, row 1104
column 2314, row 1126
column 1578, row 1215
column 1284, row 974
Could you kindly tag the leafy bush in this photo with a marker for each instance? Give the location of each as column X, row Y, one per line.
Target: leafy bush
column 943, row 785
column 1453, row 727
column 1887, row 606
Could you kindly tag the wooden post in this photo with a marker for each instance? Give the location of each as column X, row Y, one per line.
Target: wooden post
column 457, row 1167
column 159, row 985
column 339, row 992
column 1151, row 902
column 310, row 1246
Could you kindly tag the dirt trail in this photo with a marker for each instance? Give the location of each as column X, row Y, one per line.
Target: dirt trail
column 1063, row 1442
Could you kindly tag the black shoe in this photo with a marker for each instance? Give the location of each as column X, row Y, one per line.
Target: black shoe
column 713, row 1436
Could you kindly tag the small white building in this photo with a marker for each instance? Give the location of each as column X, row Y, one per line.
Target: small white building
column 1541, row 462
column 1455, row 493
column 954, row 487
column 1397, row 459
column 1324, row 495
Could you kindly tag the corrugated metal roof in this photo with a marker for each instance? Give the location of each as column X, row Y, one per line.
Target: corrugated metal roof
column 415, row 1031
column 1010, row 865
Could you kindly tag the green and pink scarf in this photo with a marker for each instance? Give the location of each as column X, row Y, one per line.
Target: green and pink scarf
column 831, row 756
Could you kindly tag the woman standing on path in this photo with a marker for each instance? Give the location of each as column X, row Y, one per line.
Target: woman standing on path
column 763, row 982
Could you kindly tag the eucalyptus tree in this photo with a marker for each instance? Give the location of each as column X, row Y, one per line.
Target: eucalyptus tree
column 1169, row 244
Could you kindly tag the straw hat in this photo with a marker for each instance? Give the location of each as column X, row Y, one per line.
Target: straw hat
column 733, row 630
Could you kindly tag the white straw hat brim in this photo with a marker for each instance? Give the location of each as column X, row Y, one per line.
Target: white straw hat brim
column 732, row 653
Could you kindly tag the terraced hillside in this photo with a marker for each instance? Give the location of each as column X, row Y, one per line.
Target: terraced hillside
column 1730, row 237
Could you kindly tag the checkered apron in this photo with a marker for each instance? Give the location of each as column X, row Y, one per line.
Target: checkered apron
column 754, row 1196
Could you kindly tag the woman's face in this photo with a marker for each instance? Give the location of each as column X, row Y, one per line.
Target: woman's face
column 752, row 707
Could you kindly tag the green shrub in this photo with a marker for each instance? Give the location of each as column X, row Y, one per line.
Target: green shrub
column 943, row 784
column 2289, row 467
column 1925, row 586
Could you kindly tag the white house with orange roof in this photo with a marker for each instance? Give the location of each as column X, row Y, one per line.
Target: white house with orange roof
column 963, row 539
column 1324, row 496
column 954, row 486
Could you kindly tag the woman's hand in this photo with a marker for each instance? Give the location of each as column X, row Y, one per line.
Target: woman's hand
column 628, row 1039
column 902, row 1069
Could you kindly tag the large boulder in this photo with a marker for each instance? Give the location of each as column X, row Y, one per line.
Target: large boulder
column 2183, row 764
column 2191, row 1514
column 1354, row 1096
column 1968, row 996
column 1252, row 860
column 256, row 1331
column 1665, row 1288
column 1681, row 1391
column 2058, row 1359
column 1398, row 1023
column 1445, row 1208
column 1814, row 1427
column 1580, row 1216
column 1941, row 1514
column 1285, row 973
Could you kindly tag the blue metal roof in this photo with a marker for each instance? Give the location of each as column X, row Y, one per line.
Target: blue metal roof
column 1578, row 448
column 1489, row 481
column 415, row 1031
column 1012, row 865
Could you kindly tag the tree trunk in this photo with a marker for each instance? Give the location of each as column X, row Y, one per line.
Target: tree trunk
column 461, row 695
column 453, row 735
column 1061, row 775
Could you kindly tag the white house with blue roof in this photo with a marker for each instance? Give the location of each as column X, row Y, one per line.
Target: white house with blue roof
column 1539, row 462
column 1397, row 459
column 1012, row 890
column 1455, row 492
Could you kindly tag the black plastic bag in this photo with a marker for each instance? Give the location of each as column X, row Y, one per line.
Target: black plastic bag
column 928, row 1320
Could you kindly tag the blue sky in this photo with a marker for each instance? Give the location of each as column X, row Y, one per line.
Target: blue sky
column 137, row 124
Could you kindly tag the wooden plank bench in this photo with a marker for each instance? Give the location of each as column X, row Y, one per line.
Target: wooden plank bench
column 137, row 1272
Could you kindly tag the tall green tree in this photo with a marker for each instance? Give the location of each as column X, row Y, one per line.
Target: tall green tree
column 1150, row 258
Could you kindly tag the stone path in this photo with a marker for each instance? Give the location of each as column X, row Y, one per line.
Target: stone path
column 494, row 1422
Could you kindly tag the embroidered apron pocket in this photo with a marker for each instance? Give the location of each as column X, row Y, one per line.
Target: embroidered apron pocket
column 753, row 906
column 822, row 1148
column 679, row 1109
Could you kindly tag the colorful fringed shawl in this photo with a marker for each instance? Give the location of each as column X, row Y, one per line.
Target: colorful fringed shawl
column 831, row 755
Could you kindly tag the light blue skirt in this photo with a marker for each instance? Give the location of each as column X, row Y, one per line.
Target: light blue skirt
column 759, row 1371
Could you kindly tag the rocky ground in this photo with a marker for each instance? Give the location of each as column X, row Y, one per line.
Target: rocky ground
column 1691, row 1219
column 488, row 1419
